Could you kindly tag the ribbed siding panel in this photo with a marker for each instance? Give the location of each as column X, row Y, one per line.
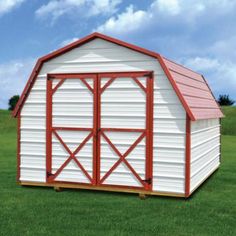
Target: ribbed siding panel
column 205, row 149
column 33, row 127
column 169, row 138
column 102, row 56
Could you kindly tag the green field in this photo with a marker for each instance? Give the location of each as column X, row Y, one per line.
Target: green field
column 42, row 211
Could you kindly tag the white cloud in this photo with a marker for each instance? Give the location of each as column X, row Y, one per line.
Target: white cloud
column 167, row 6
column 134, row 20
column 103, row 6
column 202, row 64
column 127, row 21
column 223, row 47
column 13, row 77
column 68, row 41
column 187, row 13
column 7, row 5
column 86, row 8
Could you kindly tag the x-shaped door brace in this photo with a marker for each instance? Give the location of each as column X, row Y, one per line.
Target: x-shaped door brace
column 122, row 157
column 72, row 155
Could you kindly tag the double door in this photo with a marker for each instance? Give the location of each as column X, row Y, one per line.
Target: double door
column 99, row 129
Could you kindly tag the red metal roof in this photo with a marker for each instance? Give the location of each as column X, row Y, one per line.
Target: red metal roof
column 195, row 91
column 190, row 87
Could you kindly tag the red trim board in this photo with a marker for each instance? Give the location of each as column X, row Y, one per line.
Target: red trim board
column 187, row 157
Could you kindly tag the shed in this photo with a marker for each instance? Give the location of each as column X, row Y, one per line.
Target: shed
column 103, row 114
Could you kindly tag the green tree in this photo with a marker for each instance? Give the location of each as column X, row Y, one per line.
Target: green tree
column 224, row 100
column 12, row 102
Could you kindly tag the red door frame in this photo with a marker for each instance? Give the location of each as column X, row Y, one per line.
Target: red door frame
column 53, row 130
column 147, row 132
column 97, row 131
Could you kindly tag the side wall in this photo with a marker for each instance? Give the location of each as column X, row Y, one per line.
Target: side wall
column 102, row 56
column 205, row 150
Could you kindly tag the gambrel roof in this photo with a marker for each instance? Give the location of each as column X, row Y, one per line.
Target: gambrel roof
column 191, row 87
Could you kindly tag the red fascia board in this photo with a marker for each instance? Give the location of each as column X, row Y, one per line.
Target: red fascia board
column 27, row 88
column 66, row 49
column 91, row 37
column 187, row 157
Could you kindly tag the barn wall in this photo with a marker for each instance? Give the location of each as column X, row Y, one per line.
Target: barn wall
column 102, row 56
column 205, row 149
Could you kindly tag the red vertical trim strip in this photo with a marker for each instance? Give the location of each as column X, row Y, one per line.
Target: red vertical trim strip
column 48, row 129
column 147, row 134
column 18, row 147
column 98, row 131
column 187, row 156
column 151, row 85
column 149, row 128
column 95, row 108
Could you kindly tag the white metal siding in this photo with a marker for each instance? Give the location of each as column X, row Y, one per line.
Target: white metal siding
column 102, row 56
column 33, row 134
column 205, row 150
column 72, row 104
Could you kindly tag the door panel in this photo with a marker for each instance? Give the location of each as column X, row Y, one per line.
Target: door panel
column 71, row 129
column 99, row 129
column 125, row 102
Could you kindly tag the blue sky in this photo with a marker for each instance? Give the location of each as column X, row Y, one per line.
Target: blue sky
column 197, row 33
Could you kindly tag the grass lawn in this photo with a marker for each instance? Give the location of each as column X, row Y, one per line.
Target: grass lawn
column 229, row 123
column 42, row 211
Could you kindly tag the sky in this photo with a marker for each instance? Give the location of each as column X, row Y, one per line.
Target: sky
column 199, row 34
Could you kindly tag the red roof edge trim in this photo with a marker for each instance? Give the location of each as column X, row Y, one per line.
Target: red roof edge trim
column 176, row 89
column 27, row 88
column 91, row 37
column 66, row 49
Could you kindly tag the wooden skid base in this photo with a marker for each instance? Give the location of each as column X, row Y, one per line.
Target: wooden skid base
column 57, row 189
column 100, row 188
column 142, row 196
